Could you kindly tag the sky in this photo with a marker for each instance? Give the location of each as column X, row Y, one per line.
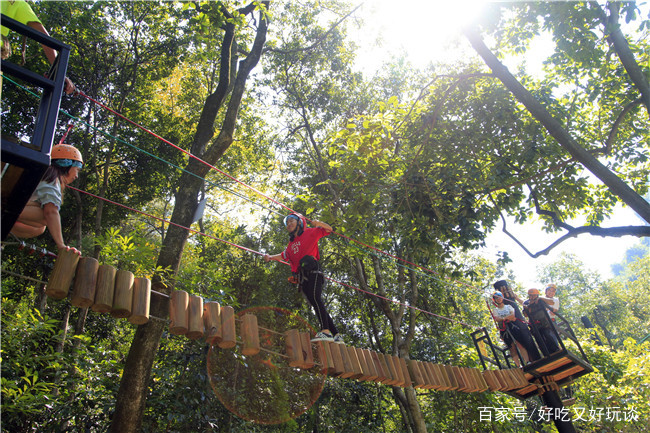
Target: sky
column 424, row 30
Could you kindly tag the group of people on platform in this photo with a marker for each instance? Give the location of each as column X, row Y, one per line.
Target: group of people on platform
column 536, row 324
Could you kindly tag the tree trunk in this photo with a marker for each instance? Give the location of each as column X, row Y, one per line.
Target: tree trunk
column 131, row 398
column 557, row 131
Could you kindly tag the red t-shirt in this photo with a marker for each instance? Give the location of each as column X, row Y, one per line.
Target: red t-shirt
column 304, row 245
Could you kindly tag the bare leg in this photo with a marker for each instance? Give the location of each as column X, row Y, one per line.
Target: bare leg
column 515, row 357
column 26, row 231
column 30, row 223
column 524, row 352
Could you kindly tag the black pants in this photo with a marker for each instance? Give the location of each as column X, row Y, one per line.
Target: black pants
column 311, row 283
column 545, row 339
column 521, row 333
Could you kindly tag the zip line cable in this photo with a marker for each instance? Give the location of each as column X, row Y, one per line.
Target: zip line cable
column 232, row 244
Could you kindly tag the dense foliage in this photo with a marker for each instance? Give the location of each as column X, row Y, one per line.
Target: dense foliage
column 421, row 164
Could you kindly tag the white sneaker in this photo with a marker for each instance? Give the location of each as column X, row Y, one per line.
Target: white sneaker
column 338, row 338
column 323, row 336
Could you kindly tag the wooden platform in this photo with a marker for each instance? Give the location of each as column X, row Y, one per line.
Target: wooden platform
column 562, row 367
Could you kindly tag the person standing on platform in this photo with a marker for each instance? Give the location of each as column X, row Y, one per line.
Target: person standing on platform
column 540, row 323
column 552, row 300
column 22, row 12
column 507, row 321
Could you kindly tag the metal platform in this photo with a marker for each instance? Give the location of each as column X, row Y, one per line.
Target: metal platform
column 23, row 163
column 562, row 367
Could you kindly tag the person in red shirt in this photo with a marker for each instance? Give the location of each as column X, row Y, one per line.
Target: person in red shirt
column 303, row 256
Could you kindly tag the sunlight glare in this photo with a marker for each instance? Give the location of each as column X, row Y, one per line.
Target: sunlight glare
column 421, row 30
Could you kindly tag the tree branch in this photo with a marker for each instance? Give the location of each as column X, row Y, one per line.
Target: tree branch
column 319, row 40
column 573, row 232
column 617, row 123
column 616, row 185
column 625, row 54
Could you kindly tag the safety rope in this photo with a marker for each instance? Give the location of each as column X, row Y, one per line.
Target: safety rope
column 261, row 254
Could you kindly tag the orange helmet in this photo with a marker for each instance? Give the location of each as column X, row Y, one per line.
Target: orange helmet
column 66, row 151
column 533, row 292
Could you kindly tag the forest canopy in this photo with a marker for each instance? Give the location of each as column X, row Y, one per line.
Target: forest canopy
column 263, row 109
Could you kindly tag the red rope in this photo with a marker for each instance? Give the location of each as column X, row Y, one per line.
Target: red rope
column 70, row 126
column 259, row 192
column 258, row 253
column 187, row 153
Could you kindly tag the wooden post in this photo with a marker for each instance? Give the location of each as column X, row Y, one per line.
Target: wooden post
column 178, row 317
column 337, row 358
column 123, row 299
column 293, row 345
column 141, row 301
column 61, row 276
column 365, row 370
column 491, row 380
column 388, row 370
column 405, row 371
column 229, row 334
column 105, row 289
column 212, row 322
column 372, row 369
column 307, row 352
column 251, row 336
column 425, row 371
column 195, row 328
column 326, row 358
column 379, row 367
column 85, row 282
column 354, row 362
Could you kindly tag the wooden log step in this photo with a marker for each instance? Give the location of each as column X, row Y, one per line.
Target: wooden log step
column 491, row 381
column 365, row 369
column 407, row 376
column 450, row 375
column 293, row 347
column 307, row 352
column 416, row 374
column 105, row 287
column 228, row 330
column 178, row 311
column 354, row 362
column 250, row 335
column 195, row 326
column 58, row 283
column 85, row 283
column 337, row 358
column 326, row 358
column 123, row 298
column 141, row 301
column 212, row 322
